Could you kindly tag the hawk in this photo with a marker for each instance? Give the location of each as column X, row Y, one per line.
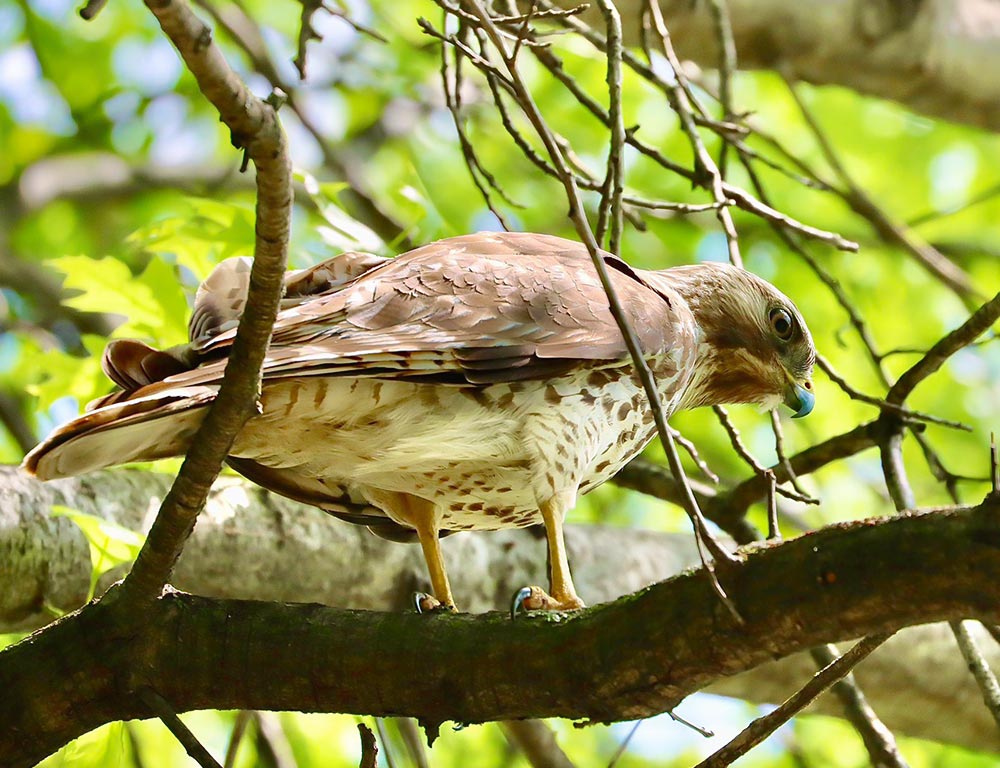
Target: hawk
column 476, row 383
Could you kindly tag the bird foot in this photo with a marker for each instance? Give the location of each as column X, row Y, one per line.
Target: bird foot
column 537, row 599
column 425, row 603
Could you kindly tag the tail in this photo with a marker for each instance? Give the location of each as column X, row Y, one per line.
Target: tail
column 156, row 426
column 158, row 408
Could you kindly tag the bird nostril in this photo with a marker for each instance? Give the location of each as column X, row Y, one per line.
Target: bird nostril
column 809, row 385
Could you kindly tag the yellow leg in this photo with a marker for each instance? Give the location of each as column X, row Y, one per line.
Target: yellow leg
column 563, row 595
column 425, row 518
column 560, row 580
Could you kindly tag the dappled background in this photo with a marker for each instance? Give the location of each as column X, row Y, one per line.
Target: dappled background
column 119, row 191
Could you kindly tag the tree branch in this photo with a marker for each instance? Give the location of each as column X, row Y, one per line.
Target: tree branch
column 936, row 58
column 255, row 127
column 246, row 538
column 669, row 640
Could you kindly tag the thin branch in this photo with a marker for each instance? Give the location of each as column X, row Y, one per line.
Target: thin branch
column 614, row 182
column 994, row 464
column 904, row 413
column 409, row 731
column 369, row 749
column 934, row 262
column 452, row 88
column 692, row 451
column 764, row 726
column 704, row 164
column 773, row 529
column 271, row 740
column 893, row 468
column 254, row 125
column 243, row 719
column 980, row 670
column 537, row 742
column 383, row 736
column 731, row 192
column 979, row 322
column 936, row 215
column 726, row 509
column 878, row 739
column 703, row 534
column 162, row 709
column 625, row 742
column 779, row 449
column 246, row 34
column 743, row 452
column 727, row 66
column 92, row 8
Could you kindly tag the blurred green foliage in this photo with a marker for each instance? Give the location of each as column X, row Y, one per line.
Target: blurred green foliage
column 117, row 181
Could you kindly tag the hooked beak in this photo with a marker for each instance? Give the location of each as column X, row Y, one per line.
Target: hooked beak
column 799, row 399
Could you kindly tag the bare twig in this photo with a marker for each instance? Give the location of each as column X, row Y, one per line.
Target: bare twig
column 727, row 65
column 92, row 8
column 994, row 464
column 383, row 736
column 538, row 743
column 452, row 87
column 255, row 126
column 624, row 745
column 974, row 200
column 243, row 719
column 704, row 536
column 369, row 749
column 409, row 731
column 929, row 258
column 704, row 164
column 965, row 334
column 272, row 743
column 773, row 530
column 159, row 707
column 737, row 442
column 878, row 739
column 893, row 468
column 779, row 449
column 731, row 192
column 980, row 670
column 904, row 413
column 614, row 181
column 727, row 508
column 246, row 34
column 764, row 726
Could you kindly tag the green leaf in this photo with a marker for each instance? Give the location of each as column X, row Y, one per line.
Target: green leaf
column 111, row 545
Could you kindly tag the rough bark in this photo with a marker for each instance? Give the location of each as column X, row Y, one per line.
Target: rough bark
column 637, row 657
column 251, row 544
column 935, row 56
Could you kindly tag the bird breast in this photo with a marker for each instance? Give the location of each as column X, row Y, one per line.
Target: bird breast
column 485, row 455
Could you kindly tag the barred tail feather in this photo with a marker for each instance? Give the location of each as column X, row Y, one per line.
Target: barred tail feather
column 156, row 426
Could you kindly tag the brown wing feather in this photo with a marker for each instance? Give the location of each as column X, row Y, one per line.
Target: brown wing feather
column 489, row 307
column 477, row 309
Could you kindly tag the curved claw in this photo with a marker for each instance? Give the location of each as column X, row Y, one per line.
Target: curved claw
column 537, row 599
column 519, row 599
column 425, row 603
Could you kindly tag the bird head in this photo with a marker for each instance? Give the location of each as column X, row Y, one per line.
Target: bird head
column 754, row 346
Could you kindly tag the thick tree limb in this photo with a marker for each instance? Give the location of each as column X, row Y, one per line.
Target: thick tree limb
column 639, row 656
column 936, row 57
column 251, row 544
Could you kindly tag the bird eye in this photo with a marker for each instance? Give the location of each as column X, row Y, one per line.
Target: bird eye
column 782, row 323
